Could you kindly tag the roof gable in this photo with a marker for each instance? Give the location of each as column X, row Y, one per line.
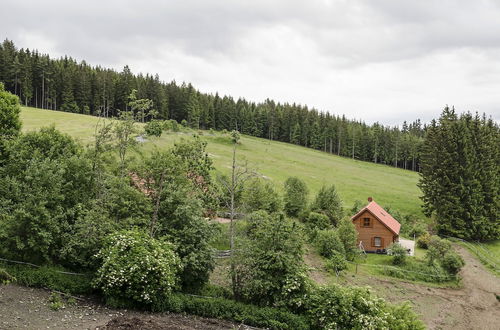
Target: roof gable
column 382, row 215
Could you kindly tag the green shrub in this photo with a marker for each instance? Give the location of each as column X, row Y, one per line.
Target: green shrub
column 55, row 301
column 424, row 240
column 452, row 262
column 437, row 248
column 268, row 264
column 399, row 254
column 265, row 317
column 137, row 268
column 328, row 202
column 327, row 242
column 317, row 221
column 49, row 277
column 260, row 194
column 154, row 128
column 336, row 307
column 337, row 262
column 5, row 277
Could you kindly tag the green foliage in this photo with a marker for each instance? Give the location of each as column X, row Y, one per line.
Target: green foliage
column 460, row 175
column 265, row 317
column 317, row 221
column 5, row 277
column 437, row 249
column 452, row 262
column 268, row 266
column 336, row 307
column 328, row 202
column 356, row 207
column 154, row 128
column 44, row 185
column 337, row 262
column 10, row 124
column 49, row 277
column 424, row 240
column 348, row 234
column 181, row 222
column 137, row 267
column 55, row 301
column 120, row 207
column 417, row 230
column 398, row 253
column 124, row 132
column 198, row 170
column 296, row 196
column 328, row 242
column 261, row 195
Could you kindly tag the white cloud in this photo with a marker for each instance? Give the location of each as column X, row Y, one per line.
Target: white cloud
column 374, row 60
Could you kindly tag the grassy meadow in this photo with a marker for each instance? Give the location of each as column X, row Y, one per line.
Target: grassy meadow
column 355, row 180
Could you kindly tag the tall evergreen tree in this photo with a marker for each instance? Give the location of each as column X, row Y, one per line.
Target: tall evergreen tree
column 460, row 175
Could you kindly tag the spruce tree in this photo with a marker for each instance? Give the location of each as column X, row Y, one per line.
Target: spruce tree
column 460, row 176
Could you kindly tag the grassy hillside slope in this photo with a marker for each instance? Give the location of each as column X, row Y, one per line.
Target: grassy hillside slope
column 355, row 180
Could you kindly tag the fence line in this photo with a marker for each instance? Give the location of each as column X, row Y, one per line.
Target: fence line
column 37, row 266
column 485, row 255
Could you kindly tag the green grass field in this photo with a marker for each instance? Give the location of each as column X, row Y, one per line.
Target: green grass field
column 355, row 180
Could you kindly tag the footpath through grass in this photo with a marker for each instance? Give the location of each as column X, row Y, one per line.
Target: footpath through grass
column 355, row 180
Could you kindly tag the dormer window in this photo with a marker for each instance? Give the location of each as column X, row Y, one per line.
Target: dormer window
column 366, row 222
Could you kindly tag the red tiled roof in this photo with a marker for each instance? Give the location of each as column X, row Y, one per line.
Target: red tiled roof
column 383, row 216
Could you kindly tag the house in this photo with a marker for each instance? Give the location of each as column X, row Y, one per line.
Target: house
column 376, row 228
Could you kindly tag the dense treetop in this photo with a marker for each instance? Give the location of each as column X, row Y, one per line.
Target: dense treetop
column 64, row 84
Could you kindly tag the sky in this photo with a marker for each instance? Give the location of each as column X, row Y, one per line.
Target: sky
column 373, row 60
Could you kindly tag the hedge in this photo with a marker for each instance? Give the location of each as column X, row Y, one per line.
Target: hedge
column 220, row 308
column 50, row 278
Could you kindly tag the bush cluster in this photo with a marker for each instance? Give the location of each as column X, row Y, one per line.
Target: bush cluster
column 137, row 268
column 336, row 307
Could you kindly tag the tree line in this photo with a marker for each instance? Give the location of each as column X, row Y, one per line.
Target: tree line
column 67, row 85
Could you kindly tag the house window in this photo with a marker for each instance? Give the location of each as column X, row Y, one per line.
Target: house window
column 377, row 241
column 366, row 222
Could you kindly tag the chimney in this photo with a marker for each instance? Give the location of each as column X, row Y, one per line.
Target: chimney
column 370, row 199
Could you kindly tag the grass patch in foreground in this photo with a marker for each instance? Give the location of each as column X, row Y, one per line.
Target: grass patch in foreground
column 415, row 270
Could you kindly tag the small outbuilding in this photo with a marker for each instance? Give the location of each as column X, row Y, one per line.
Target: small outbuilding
column 376, row 228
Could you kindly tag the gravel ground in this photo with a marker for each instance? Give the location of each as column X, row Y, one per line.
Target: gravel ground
column 28, row 308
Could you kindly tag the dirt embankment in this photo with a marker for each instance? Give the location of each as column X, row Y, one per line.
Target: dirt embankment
column 474, row 306
column 27, row 308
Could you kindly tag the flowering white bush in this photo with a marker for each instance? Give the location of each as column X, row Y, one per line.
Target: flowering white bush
column 137, row 267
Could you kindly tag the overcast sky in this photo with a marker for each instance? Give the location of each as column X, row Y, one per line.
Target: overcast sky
column 383, row 60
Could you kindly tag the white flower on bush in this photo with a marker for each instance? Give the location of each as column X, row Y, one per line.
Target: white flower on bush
column 137, row 267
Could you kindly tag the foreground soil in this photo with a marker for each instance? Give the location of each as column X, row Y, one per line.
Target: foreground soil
column 28, row 308
column 473, row 306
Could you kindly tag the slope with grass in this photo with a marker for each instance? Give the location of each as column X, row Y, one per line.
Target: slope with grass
column 355, row 180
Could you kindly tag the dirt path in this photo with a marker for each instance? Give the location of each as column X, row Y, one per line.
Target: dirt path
column 27, row 308
column 474, row 306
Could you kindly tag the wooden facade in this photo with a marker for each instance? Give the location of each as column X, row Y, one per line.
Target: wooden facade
column 375, row 229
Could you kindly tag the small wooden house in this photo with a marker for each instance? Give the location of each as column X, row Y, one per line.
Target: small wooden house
column 376, row 228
